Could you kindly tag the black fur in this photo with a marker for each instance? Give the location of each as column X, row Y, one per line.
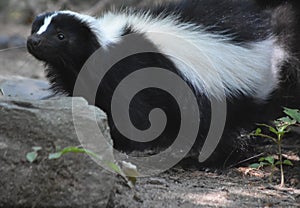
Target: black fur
column 245, row 21
column 227, row 17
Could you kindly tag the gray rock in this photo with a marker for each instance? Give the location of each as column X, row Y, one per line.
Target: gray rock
column 20, row 87
column 4, row 40
column 74, row 180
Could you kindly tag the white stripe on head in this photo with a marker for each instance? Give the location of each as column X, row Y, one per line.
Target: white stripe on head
column 47, row 22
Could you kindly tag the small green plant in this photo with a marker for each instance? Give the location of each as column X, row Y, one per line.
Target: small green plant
column 278, row 131
column 114, row 167
column 32, row 156
column 271, row 162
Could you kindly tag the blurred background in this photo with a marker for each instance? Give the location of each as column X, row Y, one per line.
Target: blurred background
column 15, row 24
column 23, row 11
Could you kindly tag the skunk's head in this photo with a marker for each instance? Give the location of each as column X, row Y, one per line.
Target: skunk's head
column 63, row 38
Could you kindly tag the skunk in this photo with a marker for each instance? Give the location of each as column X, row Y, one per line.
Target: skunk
column 244, row 53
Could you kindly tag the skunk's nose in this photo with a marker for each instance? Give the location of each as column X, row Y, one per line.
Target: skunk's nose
column 33, row 42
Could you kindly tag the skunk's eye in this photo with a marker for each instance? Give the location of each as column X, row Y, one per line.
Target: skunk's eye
column 60, row 36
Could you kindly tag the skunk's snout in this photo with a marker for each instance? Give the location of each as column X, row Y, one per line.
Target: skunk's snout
column 33, row 42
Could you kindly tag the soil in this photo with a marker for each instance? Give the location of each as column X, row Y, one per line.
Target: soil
column 178, row 187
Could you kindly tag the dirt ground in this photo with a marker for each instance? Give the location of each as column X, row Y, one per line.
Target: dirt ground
column 236, row 187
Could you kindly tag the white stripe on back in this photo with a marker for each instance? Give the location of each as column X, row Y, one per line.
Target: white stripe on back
column 211, row 63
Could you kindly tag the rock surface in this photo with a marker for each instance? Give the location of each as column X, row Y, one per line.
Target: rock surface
column 70, row 181
column 24, row 88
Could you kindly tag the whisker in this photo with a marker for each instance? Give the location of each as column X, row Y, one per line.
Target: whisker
column 12, row 48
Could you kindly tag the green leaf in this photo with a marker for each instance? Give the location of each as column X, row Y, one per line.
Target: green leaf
column 66, row 150
column 31, row 156
column 258, row 131
column 270, row 160
column 281, row 131
column 293, row 113
column 54, row 156
column 288, row 162
column 36, row 149
column 263, row 164
column 261, row 159
column 114, row 167
column 73, row 150
column 271, row 128
column 254, row 166
column 286, row 120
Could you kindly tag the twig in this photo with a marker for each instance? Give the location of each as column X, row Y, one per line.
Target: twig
column 246, row 160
